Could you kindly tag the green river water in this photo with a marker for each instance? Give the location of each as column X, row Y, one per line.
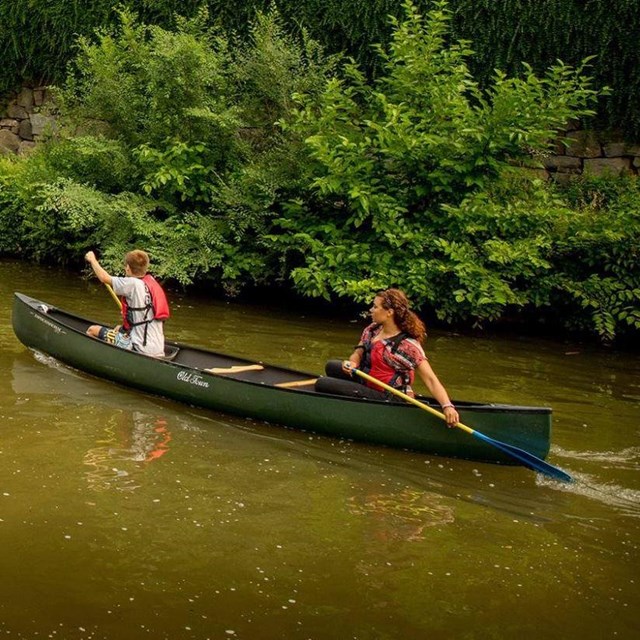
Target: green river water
column 126, row 516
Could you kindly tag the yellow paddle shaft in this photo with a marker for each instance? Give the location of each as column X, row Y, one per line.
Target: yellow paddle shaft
column 113, row 295
column 404, row 396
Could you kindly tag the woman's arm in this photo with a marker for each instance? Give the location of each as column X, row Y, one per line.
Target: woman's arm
column 354, row 360
column 437, row 390
column 356, row 357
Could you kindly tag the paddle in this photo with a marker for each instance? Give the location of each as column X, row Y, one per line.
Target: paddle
column 113, row 295
column 526, row 458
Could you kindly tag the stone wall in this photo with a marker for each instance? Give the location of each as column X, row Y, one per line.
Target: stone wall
column 592, row 153
column 25, row 118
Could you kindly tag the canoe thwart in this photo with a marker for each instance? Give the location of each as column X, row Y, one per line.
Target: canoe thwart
column 296, row 383
column 239, row 368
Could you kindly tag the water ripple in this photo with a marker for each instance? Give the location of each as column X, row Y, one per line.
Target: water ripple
column 628, row 458
column 625, row 500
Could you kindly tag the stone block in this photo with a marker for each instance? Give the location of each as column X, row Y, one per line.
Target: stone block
column 16, row 111
column 618, row 149
column 42, row 124
column 43, row 96
column 26, row 146
column 9, row 123
column 607, row 166
column 614, row 150
column 564, row 164
column 9, row 142
column 25, row 131
column 39, row 96
column 562, row 178
column 583, row 144
column 25, row 98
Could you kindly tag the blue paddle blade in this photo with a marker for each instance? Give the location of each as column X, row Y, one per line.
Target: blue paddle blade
column 527, row 459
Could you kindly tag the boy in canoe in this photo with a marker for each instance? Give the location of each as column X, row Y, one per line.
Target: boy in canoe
column 143, row 303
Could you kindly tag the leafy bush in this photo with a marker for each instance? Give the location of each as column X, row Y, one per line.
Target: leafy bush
column 10, row 228
column 177, row 126
column 402, row 163
column 597, row 258
column 147, row 85
column 93, row 160
column 37, row 39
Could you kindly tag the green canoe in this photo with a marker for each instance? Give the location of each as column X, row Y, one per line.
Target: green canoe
column 277, row 395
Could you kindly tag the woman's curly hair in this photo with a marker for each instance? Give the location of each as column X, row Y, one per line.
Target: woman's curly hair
column 407, row 321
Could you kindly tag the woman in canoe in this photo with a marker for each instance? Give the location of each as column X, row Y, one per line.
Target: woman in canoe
column 390, row 350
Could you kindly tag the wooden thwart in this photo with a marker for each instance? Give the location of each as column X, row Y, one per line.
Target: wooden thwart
column 239, row 368
column 296, row 383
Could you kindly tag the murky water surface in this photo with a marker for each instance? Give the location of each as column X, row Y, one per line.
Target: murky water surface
column 126, row 516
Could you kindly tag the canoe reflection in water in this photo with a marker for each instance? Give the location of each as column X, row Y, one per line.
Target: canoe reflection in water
column 129, row 437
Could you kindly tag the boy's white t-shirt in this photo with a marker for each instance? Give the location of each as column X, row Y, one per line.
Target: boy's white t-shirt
column 137, row 295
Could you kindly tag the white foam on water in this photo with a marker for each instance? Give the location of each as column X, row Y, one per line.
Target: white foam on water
column 628, row 458
column 625, row 500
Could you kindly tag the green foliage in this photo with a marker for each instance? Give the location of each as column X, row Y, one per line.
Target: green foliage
column 508, row 32
column 57, row 220
column 597, row 259
column 66, row 217
column 253, row 159
column 179, row 171
column 37, row 39
column 180, row 151
column 10, row 228
column 271, row 65
column 145, row 82
column 94, row 160
column 412, row 169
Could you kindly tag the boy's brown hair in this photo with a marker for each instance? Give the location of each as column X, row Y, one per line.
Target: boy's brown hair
column 138, row 262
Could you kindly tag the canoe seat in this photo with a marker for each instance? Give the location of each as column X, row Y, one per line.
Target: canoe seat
column 296, row 383
column 170, row 352
column 239, row 368
column 352, row 388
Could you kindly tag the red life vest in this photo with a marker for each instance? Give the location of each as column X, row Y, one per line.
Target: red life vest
column 393, row 364
column 157, row 309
